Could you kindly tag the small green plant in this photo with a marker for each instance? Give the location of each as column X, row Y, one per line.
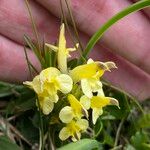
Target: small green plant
column 68, row 105
column 68, row 94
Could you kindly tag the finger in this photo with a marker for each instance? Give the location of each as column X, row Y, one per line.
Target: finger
column 15, row 21
column 142, row 80
column 128, row 38
column 146, row 10
column 13, row 65
column 126, row 77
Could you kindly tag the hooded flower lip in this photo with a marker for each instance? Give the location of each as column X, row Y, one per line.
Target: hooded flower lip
column 77, row 107
column 91, row 69
column 74, row 111
column 73, row 130
column 107, row 65
column 84, row 71
column 46, row 86
column 62, row 50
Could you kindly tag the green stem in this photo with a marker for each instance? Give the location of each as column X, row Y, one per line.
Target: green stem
column 27, row 59
column 52, row 147
column 118, row 132
column 33, row 23
column 41, row 128
column 74, row 25
column 94, row 39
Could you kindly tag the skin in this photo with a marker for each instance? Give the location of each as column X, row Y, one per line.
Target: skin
column 126, row 43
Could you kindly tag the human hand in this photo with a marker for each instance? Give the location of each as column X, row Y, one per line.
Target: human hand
column 126, row 43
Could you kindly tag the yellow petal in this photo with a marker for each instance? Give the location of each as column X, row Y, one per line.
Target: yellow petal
column 90, row 60
column 96, row 112
column 86, row 88
column 75, row 104
column 78, row 109
column 95, row 84
column 83, row 124
column 86, row 102
column 75, row 130
column 100, row 92
column 29, row 84
column 84, row 71
column 73, row 49
column 65, row 83
column 46, row 105
column 50, row 88
column 64, row 134
column 62, row 56
column 49, row 73
column 101, row 70
column 54, row 98
column 76, row 136
column 35, row 84
column 62, row 40
column 99, row 101
column 66, row 114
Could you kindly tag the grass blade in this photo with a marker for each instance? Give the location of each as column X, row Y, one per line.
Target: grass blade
column 94, row 39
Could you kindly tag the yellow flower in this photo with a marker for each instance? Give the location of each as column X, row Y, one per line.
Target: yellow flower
column 96, row 103
column 62, row 51
column 75, row 110
column 73, row 130
column 46, row 86
column 90, row 74
column 92, row 69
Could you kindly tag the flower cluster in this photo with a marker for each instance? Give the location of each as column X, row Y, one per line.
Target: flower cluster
column 53, row 85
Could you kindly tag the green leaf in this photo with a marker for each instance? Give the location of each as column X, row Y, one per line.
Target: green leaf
column 48, row 53
column 98, row 127
column 108, row 139
column 129, row 147
column 144, row 121
column 5, row 89
column 72, row 63
column 35, row 49
column 26, row 105
column 23, row 102
column 50, row 57
column 140, row 141
column 124, row 106
column 85, row 144
column 25, row 126
column 7, row 144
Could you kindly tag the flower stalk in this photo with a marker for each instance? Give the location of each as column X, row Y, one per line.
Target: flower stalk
column 66, row 96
